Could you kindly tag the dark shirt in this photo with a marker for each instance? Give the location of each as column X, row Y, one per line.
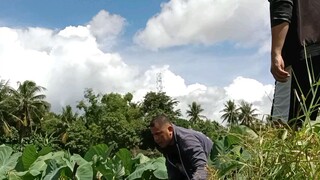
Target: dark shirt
column 304, row 28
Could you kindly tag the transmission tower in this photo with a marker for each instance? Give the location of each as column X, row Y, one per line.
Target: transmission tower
column 159, row 82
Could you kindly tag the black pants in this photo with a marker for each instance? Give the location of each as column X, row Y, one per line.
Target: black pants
column 303, row 103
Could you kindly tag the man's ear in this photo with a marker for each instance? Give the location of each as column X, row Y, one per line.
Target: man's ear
column 170, row 128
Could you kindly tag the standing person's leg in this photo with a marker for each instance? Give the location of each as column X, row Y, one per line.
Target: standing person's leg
column 302, row 99
column 281, row 100
column 316, row 87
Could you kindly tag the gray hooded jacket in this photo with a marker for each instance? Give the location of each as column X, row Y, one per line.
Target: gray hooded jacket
column 188, row 157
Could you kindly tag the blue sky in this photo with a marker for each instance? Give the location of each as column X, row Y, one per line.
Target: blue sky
column 62, row 13
column 207, row 51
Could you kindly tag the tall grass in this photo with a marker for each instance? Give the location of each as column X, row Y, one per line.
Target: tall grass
column 272, row 152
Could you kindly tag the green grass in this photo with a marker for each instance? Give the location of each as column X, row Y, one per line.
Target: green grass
column 272, row 152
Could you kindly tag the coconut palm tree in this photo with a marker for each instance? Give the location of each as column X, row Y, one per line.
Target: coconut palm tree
column 247, row 113
column 194, row 112
column 67, row 115
column 4, row 107
column 67, row 118
column 231, row 113
column 30, row 104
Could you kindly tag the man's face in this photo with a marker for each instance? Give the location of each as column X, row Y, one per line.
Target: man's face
column 162, row 135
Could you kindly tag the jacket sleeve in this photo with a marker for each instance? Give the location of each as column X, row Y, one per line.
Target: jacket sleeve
column 196, row 156
column 280, row 11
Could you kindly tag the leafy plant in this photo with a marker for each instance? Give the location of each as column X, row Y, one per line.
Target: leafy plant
column 149, row 168
column 8, row 160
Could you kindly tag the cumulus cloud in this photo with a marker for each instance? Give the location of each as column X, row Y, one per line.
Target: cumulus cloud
column 246, row 89
column 183, row 22
column 105, row 27
column 65, row 61
column 69, row 60
column 211, row 99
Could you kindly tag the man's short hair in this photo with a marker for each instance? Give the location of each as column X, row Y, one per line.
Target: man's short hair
column 160, row 119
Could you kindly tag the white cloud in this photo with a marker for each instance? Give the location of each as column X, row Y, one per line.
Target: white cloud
column 183, row 22
column 64, row 61
column 246, row 89
column 212, row 99
column 69, row 60
column 106, row 27
column 251, row 91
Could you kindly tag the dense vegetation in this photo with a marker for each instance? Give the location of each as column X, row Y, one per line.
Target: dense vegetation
column 109, row 139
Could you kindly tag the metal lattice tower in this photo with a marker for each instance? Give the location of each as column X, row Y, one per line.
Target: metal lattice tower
column 159, row 82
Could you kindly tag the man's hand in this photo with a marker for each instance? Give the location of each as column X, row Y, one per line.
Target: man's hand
column 277, row 68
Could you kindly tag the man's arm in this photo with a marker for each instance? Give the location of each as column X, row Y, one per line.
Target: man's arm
column 195, row 155
column 280, row 15
column 278, row 33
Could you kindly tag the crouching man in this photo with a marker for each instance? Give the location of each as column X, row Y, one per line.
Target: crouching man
column 186, row 151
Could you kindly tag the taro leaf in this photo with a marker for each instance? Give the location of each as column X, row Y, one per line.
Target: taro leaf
column 25, row 175
column 245, row 130
column 218, row 148
column 138, row 173
column 111, row 169
column 142, row 158
column 232, row 139
column 30, row 155
column 118, row 168
column 84, row 170
column 105, row 171
column 13, row 175
column 40, row 164
column 44, row 151
column 160, row 168
column 8, row 161
column 53, row 170
column 125, row 156
column 245, row 155
column 100, row 150
column 237, row 150
column 161, row 173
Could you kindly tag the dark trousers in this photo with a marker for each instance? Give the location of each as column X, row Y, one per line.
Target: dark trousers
column 304, row 100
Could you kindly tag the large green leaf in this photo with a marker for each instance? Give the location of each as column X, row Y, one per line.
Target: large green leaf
column 44, row 151
column 142, row 158
column 53, row 170
column 14, row 176
column 153, row 167
column 126, row 158
column 218, row 148
column 40, row 164
column 8, row 161
column 140, row 170
column 160, row 168
column 244, row 130
column 83, row 168
column 84, row 172
column 99, row 150
column 29, row 156
column 111, row 169
column 106, row 172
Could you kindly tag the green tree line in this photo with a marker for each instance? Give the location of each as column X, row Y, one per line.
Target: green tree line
column 111, row 118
